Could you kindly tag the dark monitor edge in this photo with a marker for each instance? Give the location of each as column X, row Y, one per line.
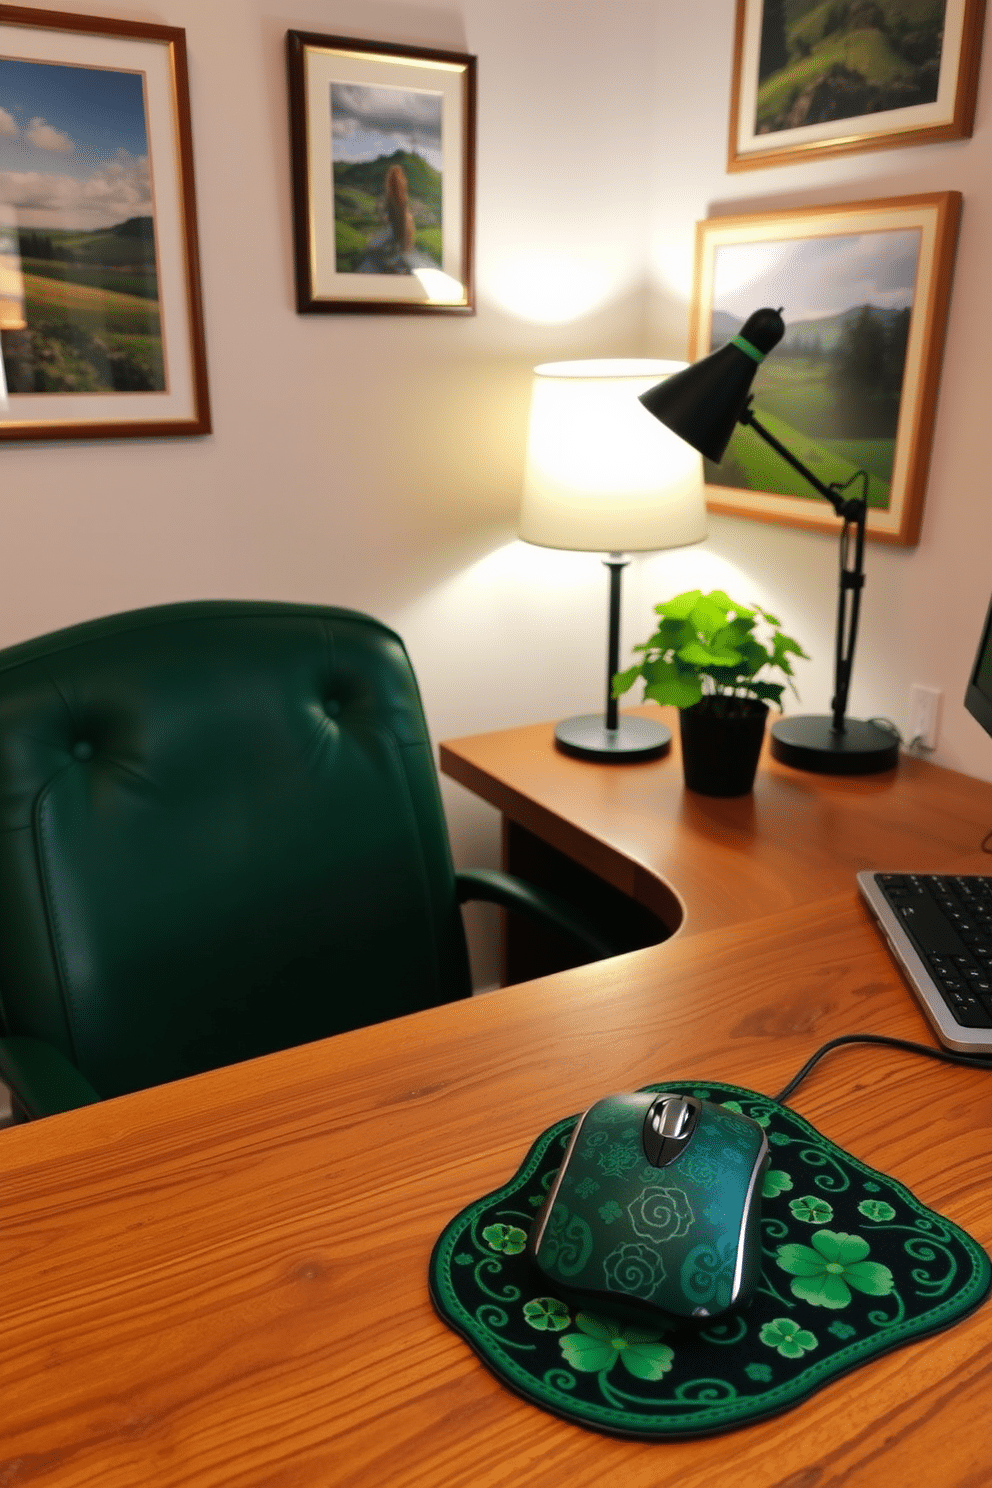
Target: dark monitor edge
column 978, row 696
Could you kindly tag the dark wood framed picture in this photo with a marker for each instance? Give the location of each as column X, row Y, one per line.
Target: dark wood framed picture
column 864, row 289
column 383, row 163
column 813, row 79
column 101, row 319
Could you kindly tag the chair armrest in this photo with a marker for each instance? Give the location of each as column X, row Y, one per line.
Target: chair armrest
column 555, row 913
column 42, row 1080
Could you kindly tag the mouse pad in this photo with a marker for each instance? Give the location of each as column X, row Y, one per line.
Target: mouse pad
column 852, row 1265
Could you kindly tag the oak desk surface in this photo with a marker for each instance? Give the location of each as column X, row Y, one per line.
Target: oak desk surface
column 700, row 863
column 223, row 1281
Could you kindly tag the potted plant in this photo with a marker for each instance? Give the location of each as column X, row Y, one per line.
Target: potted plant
column 706, row 658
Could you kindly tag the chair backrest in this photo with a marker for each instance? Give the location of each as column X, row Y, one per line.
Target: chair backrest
column 220, row 835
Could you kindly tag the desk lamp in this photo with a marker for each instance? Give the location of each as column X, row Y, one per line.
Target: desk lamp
column 602, row 476
column 703, row 404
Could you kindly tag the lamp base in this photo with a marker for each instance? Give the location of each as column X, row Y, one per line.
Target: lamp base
column 811, row 744
column 633, row 739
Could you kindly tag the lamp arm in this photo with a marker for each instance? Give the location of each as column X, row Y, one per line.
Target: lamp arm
column 832, row 495
column 854, row 513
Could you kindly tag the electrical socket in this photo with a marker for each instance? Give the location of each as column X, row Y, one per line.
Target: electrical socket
column 924, row 714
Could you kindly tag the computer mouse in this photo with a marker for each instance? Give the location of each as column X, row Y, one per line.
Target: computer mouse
column 655, row 1210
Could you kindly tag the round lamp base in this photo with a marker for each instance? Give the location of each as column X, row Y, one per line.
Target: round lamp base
column 811, row 744
column 633, row 739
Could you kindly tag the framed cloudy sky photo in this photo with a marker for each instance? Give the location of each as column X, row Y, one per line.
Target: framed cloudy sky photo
column 864, row 289
column 814, row 79
column 383, row 145
column 101, row 326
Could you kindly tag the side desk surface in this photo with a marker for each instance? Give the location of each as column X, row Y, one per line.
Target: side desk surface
column 700, row 863
column 222, row 1283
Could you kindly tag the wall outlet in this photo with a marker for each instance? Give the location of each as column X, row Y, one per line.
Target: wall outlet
column 924, row 716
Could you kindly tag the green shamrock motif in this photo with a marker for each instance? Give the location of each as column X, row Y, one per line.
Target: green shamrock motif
column 876, row 1209
column 600, row 1343
column 610, row 1211
column 760, row 1373
column 842, row 1330
column 776, row 1182
column 824, row 1274
column 547, row 1314
column 763, row 1120
column 788, row 1338
column 812, row 1209
column 508, row 1239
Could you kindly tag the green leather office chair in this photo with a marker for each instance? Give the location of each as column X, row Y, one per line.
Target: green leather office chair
column 220, row 835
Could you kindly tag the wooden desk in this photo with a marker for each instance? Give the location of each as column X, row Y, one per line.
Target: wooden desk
column 222, row 1283
column 699, row 863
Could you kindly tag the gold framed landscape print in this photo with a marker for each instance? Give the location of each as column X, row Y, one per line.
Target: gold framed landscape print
column 383, row 164
column 101, row 321
column 864, row 289
column 813, row 78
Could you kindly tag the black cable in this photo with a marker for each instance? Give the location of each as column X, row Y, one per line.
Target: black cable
column 970, row 1061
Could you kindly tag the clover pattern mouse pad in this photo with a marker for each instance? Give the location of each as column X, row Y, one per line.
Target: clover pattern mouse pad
column 852, row 1265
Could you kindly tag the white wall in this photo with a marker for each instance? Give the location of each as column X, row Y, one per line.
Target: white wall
column 376, row 461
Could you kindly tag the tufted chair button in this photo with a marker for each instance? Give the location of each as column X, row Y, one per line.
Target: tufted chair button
column 332, row 708
column 83, row 750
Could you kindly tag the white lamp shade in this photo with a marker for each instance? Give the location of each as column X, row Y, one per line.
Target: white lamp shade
column 602, row 474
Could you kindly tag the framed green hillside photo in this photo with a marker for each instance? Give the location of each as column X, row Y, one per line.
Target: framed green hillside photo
column 383, row 161
column 864, row 289
column 828, row 77
column 101, row 323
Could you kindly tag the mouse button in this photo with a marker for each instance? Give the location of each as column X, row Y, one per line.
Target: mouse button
column 619, row 1110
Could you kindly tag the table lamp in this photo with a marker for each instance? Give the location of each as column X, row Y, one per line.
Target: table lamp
column 703, row 404
column 602, row 476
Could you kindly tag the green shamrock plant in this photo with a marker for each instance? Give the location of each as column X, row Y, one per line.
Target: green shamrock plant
column 706, row 646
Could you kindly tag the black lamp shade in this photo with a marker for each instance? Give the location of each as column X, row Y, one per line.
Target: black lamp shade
column 703, row 403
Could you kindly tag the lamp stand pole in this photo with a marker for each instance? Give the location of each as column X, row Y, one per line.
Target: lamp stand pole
column 608, row 737
column 834, row 744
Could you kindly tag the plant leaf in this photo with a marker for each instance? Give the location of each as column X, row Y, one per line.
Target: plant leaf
column 624, row 681
column 680, row 689
column 681, row 607
column 696, row 654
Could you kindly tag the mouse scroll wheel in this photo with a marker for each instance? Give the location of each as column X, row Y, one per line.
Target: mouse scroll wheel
column 668, row 1125
column 672, row 1118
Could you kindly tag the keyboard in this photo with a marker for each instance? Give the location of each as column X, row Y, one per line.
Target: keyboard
column 939, row 928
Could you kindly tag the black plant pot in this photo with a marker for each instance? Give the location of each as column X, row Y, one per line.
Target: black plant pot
column 721, row 742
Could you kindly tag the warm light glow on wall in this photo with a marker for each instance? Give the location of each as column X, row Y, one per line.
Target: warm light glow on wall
column 552, row 290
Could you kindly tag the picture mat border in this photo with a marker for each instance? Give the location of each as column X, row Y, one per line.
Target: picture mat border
column 951, row 116
column 937, row 215
column 159, row 54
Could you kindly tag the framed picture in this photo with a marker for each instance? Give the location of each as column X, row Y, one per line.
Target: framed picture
column 813, row 80
column 101, row 321
column 852, row 387
column 383, row 161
